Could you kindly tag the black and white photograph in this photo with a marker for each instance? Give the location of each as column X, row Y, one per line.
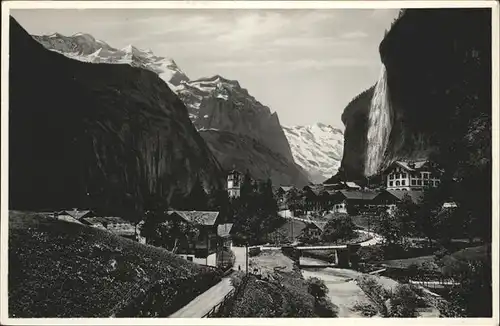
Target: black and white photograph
column 249, row 159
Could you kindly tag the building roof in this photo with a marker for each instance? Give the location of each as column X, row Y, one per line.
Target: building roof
column 197, row 217
column 359, row 194
column 319, row 224
column 224, row 230
column 76, row 213
column 409, row 165
column 106, row 219
column 351, row 184
column 286, row 188
column 415, row 195
column 450, row 205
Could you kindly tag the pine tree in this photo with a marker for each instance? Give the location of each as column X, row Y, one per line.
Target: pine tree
column 197, row 198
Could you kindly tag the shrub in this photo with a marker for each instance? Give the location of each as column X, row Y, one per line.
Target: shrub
column 340, row 227
column 225, row 258
column 375, row 292
column 322, row 305
column 404, row 302
column 367, row 309
column 371, row 254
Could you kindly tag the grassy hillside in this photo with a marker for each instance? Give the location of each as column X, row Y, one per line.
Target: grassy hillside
column 61, row 269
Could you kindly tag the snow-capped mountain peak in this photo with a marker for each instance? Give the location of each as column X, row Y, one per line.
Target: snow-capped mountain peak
column 84, row 47
column 317, row 148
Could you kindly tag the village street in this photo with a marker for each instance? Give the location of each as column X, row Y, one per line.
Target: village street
column 202, row 304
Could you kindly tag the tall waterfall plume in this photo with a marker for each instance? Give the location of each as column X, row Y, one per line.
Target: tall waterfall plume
column 379, row 125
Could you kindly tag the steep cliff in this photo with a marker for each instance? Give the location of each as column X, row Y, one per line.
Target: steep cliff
column 246, row 153
column 224, row 105
column 433, row 96
column 434, row 100
column 96, row 135
column 221, row 105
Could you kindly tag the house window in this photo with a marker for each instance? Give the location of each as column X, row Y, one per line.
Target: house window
column 413, row 182
column 403, row 182
column 419, row 182
column 190, row 258
column 426, row 182
column 397, row 183
column 391, row 183
column 404, row 175
column 436, row 183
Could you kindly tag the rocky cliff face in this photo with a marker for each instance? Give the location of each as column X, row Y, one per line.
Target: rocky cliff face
column 243, row 152
column 217, row 104
column 434, row 95
column 224, row 105
column 96, row 135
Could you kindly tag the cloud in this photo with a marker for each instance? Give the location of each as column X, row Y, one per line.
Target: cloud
column 354, row 35
column 296, row 64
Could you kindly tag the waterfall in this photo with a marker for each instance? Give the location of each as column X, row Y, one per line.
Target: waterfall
column 379, row 125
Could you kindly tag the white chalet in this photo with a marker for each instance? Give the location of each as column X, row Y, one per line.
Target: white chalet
column 409, row 175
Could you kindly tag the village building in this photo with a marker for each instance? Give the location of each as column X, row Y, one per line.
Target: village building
column 206, row 222
column 281, row 194
column 313, row 228
column 390, row 198
column 359, row 200
column 234, row 181
column 402, row 175
column 224, row 235
column 115, row 225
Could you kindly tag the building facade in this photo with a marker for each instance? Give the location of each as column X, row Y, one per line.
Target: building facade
column 407, row 176
column 234, row 180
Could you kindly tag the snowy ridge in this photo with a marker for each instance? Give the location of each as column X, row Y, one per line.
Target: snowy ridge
column 317, row 149
column 84, row 47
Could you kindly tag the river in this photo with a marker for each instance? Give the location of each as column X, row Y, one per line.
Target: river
column 342, row 288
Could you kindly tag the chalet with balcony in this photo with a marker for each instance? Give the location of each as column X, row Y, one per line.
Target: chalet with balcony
column 412, row 175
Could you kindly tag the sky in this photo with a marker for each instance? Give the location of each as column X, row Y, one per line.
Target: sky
column 304, row 64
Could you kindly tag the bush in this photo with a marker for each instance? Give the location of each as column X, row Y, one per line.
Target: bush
column 367, row 309
column 375, row 292
column 404, row 302
column 322, row 305
column 371, row 254
column 340, row 227
column 225, row 259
